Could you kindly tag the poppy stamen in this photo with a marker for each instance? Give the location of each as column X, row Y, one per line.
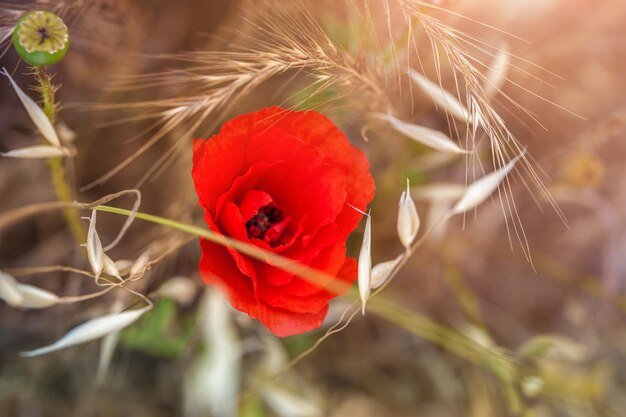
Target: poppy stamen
column 265, row 218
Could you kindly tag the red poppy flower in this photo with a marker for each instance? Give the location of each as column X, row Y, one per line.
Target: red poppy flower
column 282, row 180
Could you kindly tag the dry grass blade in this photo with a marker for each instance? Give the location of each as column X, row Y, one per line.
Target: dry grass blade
column 35, row 112
column 286, row 40
column 91, row 330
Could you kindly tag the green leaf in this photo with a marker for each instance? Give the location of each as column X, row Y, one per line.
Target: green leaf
column 160, row 332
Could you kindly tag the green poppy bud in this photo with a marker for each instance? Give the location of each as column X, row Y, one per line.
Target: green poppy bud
column 41, row 38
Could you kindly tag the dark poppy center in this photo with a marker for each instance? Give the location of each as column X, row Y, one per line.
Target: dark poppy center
column 258, row 225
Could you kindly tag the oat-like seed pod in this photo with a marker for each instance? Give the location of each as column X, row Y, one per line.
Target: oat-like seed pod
column 481, row 189
column 95, row 254
column 382, row 271
column 408, row 219
column 41, row 38
column 140, row 265
column 365, row 264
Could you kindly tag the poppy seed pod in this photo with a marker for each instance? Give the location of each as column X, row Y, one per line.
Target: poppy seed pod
column 41, row 38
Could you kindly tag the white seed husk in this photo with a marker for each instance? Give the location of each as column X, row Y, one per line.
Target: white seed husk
column 35, row 112
column 382, row 271
column 38, row 152
column 432, row 138
column 123, row 265
column 365, row 264
column 23, row 295
column 9, row 290
column 35, row 297
column 139, row 266
column 91, row 330
column 443, row 98
column 66, row 133
column 481, row 189
column 180, row 289
column 109, row 267
column 408, row 219
column 95, row 254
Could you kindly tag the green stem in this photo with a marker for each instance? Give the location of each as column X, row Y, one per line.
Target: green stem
column 57, row 165
column 47, row 93
column 310, row 274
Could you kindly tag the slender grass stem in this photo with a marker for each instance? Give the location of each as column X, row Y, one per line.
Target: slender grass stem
column 57, row 166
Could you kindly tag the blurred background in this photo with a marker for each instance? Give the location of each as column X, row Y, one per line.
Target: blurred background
column 558, row 318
